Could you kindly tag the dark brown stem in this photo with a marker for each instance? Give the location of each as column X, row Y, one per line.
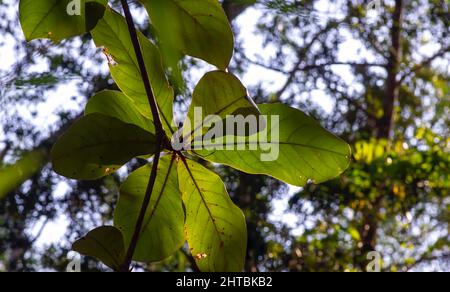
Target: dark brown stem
column 159, row 137
column 385, row 124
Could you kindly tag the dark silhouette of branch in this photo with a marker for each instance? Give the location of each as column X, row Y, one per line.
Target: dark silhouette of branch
column 159, row 137
column 191, row 261
column 301, row 56
column 315, row 66
column 385, row 124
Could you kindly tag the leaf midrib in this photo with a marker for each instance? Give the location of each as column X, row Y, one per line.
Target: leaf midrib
column 43, row 18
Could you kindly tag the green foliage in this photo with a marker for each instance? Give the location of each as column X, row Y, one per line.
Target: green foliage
column 98, row 145
column 14, row 175
column 306, row 150
column 196, row 28
column 163, row 231
column 105, row 244
column 215, row 228
column 217, row 94
column 187, row 196
column 49, row 18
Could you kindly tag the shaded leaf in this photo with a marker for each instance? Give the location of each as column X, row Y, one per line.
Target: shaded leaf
column 105, row 244
column 293, row 148
column 98, row 145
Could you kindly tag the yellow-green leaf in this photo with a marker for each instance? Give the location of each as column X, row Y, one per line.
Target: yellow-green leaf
column 293, row 148
column 111, row 33
column 117, row 105
column 162, row 233
column 215, row 228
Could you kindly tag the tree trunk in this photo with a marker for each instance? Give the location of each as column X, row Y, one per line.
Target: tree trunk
column 385, row 124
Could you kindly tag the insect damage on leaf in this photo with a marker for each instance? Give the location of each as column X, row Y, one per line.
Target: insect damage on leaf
column 201, row 256
column 109, row 57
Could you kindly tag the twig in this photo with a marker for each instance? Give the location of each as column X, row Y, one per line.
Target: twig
column 159, row 137
column 425, row 63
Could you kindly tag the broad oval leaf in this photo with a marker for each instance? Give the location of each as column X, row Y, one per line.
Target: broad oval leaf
column 162, row 233
column 217, row 95
column 196, row 28
column 105, row 244
column 215, row 228
column 98, row 145
column 293, row 148
column 51, row 19
column 111, row 33
column 117, row 105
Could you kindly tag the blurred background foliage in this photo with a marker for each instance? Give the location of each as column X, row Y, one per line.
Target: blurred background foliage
column 389, row 97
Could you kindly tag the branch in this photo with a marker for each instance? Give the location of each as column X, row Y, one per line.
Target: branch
column 265, row 66
column 41, row 230
column 352, row 64
column 191, row 261
column 160, row 135
column 425, row 63
column 301, row 54
column 426, row 258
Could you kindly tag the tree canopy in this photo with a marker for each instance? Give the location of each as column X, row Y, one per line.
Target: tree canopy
column 336, row 72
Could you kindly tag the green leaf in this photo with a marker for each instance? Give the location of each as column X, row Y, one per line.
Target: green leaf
column 354, row 233
column 112, row 34
column 215, row 228
column 302, row 151
column 117, row 105
column 105, row 244
column 50, row 18
column 217, row 94
column 162, row 233
column 12, row 176
column 98, row 145
column 196, row 28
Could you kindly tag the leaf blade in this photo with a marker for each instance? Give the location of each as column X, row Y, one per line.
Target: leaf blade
column 97, row 145
column 306, row 150
column 197, row 28
column 117, row 105
column 112, row 34
column 105, row 244
column 50, row 19
column 217, row 94
column 215, row 228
